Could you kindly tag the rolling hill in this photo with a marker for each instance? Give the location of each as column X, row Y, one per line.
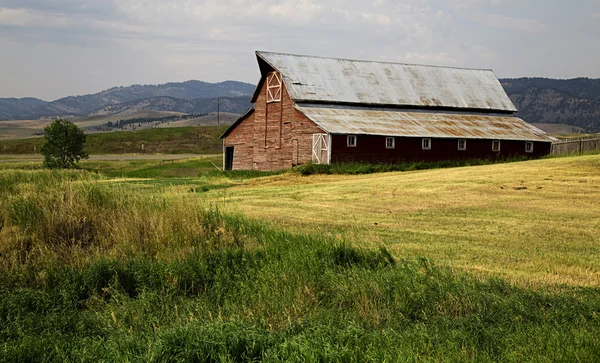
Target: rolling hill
column 568, row 104
column 193, row 95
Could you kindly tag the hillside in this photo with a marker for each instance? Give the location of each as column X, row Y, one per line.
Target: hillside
column 192, row 106
column 574, row 102
column 178, row 140
column 29, row 108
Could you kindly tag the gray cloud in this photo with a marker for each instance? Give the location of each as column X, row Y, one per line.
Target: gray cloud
column 71, row 47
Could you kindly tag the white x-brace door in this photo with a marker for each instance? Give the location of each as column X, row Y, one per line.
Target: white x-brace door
column 320, row 150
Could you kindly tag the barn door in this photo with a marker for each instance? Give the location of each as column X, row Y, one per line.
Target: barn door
column 320, row 151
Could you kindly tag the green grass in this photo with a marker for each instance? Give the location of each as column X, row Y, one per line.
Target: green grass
column 93, row 269
column 179, row 140
column 115, row 265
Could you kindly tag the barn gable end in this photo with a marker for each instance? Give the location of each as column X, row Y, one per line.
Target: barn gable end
column 276, row 136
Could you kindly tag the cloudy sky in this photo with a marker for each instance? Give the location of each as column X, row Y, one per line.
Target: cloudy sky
column 54, row 48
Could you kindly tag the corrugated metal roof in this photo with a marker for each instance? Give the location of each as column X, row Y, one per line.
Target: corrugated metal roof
column 318, row 79
column 389, row 122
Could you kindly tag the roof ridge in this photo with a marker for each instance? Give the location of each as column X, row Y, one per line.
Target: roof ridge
column 259, row 52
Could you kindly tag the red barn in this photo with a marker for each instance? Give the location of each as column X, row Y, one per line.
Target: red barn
column 328, row 110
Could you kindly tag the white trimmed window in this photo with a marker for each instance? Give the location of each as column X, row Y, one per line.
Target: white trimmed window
column 496, row 145
column 426, row 144
column 351, row 141
column 390, row 142
column 273, row 87
column 529, row 147
column 462, row 144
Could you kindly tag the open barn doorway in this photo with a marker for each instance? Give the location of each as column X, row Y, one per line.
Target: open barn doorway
column 228, row 158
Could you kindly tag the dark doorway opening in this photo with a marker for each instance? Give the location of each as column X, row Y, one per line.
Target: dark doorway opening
column 229, row 158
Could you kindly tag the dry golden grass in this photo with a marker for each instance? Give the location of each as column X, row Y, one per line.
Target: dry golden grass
column 479, row 219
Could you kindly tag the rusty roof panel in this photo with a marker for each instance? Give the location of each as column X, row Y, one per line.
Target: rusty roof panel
column 390, row 122
column 318, row 79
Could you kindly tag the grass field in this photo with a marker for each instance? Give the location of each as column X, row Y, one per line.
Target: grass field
column 22, row 129
column 528, row 222
column 131, row 260
column 179, row 140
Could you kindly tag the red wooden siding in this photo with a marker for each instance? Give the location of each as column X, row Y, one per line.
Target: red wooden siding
column 372, row 149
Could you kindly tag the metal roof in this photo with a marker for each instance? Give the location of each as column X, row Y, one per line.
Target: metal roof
column 390, row 122
column 318, row 79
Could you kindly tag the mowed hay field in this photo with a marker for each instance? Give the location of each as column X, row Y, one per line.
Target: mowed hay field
column 138, row 261
column 535, row 222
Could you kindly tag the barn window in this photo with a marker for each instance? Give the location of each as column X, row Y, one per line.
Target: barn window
column 496, row 145
column 351, row 140
column 462, row 144
column 273, row 87
column 529, row 147
column 390, row 142
column 426, row 144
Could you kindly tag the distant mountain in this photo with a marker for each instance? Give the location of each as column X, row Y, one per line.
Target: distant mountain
column 575, row 102
column 29, row 108
column 9, row 107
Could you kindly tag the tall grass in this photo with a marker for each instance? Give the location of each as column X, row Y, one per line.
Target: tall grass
column 92, row 270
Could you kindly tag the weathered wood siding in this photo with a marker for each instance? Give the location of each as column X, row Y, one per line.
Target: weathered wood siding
column 372, row 149
column 276, row 136
column 576, row 146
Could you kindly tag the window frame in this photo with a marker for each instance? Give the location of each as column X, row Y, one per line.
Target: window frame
column 274, row 87
column 350, row 137
column 464, row 148
column 393, row 146
column 499, row 145
column 527, row 150
column 428, row 140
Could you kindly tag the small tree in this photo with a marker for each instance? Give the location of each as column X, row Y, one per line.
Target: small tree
column 64, row 145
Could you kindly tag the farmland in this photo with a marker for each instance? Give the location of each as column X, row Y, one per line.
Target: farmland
column 132, row 121
column 141, row 260
column 179, row 140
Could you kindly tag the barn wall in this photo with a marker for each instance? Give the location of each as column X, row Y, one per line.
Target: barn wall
column 372, row 149
column 241, row 140
column 277, row 127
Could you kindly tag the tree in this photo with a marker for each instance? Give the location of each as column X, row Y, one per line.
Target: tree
column 64, row 144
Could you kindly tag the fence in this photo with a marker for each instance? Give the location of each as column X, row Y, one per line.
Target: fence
column 576, row 146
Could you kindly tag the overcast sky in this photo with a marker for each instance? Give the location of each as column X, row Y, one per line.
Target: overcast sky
column 54, row 48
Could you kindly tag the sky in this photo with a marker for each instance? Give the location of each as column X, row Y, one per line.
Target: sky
column 52, row 49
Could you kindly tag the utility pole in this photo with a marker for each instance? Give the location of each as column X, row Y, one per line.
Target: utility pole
column 218, row 110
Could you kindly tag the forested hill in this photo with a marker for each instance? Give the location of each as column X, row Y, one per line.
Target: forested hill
column 574, row 102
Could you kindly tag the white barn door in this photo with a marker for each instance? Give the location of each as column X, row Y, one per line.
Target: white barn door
column 320, row 150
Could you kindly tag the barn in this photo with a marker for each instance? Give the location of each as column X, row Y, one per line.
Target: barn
column 329, row 110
